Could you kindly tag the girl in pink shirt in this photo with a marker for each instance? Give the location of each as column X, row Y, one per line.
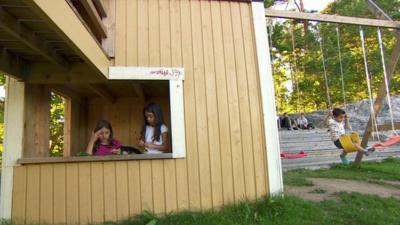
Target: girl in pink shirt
column 102, row 141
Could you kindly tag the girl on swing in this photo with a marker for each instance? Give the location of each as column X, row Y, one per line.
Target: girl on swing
column 337, row 121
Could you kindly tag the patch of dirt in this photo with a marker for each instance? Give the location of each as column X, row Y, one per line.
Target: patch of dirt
column 325, row 189
column 392, row 182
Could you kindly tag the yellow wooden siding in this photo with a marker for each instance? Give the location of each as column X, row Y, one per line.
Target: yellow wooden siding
column 225, row 163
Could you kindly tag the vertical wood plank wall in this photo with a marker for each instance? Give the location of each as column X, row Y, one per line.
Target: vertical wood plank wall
column 225, row 163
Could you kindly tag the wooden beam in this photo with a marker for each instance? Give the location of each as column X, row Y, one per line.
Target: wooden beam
column 41, row 160
column 109, row 22
column 14, row 122
column 19, row 31
column 103, row 92
column 67, row 144
column 387, row 127
column 94, row 17
column 390, row 68
column 332, row 18
column 66, row 92
column 382, row 93
column 37, row 112
column 13, row 65
column 378, row 12
column 100, row 8
column 70, row 28
column 79, row 73
column 139, row 90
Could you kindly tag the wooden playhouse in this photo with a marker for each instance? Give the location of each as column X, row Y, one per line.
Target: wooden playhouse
column 205, row 62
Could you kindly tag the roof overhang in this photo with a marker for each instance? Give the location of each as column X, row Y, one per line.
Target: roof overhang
column 62, row 19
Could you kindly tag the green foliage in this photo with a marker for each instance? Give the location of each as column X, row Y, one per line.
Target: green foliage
column 302, row 65
column 56, row 125
column 268, row 3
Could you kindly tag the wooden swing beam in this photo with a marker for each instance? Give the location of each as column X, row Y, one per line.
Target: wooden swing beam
column 379, row 13
column 383, row 21
column 332, row 18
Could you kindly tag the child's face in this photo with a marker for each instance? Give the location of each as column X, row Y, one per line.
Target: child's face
column 104, row 135
column 150, row 118
column 340, row 118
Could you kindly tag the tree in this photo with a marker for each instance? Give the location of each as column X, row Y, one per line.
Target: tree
column 300, row 63
column 56, row 125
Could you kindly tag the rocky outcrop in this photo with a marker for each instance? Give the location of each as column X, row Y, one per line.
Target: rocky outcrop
column 359, row 113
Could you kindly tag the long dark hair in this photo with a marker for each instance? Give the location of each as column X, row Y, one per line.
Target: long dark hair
column 159, row 120
column 100, row 125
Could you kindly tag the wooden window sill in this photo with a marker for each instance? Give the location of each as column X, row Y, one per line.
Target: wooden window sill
column 73, row 159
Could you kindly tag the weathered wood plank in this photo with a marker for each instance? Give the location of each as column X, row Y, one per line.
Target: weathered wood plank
column 38, row 160
column 331, row 18
column 72, row 193
column 94, row 16
column 97, row 192
column 190, row 109
column 200, row 122
column 46, row 194
column 223, row 104
column 233, row 100
column 18, row 30
column 59, row 199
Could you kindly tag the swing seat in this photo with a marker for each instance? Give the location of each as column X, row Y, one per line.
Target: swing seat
column 389, row 142
column 348, row 141
column 299, row 155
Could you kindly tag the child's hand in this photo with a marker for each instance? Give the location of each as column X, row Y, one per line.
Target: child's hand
column 95, row 135
column 116, row 151
column 141, row 143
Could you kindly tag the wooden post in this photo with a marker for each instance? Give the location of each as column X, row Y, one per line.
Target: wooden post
column 67, row 127
column 13, row 141
column 274, row 166
column 391, row 67
column 37, row 113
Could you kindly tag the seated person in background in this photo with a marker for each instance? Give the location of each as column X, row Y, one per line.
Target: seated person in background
column 102, row 141
column 303, row 123
column 154, row 135
column 288, row 123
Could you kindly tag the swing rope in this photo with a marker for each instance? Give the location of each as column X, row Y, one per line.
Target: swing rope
column 341, row 67
column 295, row 68
column 386, row 81
column 341, row 70
column 324, row 67
column 373, row 118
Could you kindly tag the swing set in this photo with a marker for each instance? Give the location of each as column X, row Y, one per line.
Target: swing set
column 348, row 141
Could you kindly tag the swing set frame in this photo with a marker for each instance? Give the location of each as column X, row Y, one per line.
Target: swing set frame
column 383, row 21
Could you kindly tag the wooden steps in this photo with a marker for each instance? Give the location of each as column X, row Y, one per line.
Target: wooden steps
column 320, row 149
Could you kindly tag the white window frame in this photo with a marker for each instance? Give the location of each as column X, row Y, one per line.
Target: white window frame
column 175, row 76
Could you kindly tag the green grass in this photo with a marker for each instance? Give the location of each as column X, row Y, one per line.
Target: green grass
column 376, row 172
column 350, row 209
column 347, row 208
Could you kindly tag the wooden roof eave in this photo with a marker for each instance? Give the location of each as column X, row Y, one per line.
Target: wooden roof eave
column 13, row 65
column 64, row 21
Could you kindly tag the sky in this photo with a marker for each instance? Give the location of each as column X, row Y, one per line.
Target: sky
column 309, row 5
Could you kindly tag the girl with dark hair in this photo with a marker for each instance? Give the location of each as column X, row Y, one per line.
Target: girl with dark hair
column 154, row 135
column 102, row 141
